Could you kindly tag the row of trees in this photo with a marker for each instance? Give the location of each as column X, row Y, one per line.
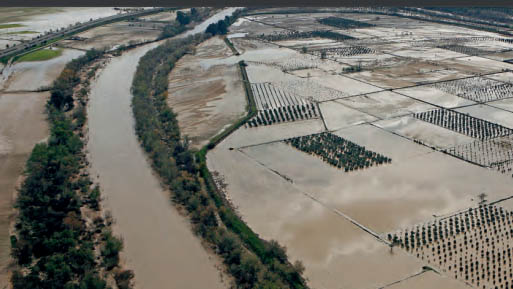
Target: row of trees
column 305, row 34
column 54, row 246
column 62, row 89
column 252, row 262
column 477, row 89
column 491, row 14
column 471, row 244
column 284, row 114
column 337, row 151
column 464, row 123
column 344, row 23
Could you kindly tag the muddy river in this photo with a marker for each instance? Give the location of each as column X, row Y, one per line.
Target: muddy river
column 159, row 244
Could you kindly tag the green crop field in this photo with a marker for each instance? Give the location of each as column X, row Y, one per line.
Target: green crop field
column 41, row 55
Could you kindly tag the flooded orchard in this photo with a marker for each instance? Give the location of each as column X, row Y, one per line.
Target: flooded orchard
column 371, row 90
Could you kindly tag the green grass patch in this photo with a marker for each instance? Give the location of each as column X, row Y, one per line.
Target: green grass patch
column 12, row 25
column 41, row 55
column 22, row 32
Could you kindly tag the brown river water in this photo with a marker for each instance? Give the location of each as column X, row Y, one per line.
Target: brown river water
column 159, row 244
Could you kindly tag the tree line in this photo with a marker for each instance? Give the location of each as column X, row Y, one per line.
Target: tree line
column 253, row 262
column 221, row 27
column 182, row 20
column 54, row 245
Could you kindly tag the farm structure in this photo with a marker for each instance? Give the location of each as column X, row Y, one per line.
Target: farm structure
column 477, row 89
column 464, row 123
column 474, row 246
column 276, row 106
column 337, row 151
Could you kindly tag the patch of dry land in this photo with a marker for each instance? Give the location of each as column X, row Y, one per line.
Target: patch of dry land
column 22, row 125
column 206, row 99
column 116, row 34
column 330, row 206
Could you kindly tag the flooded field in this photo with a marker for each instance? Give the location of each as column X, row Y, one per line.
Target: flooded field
column 369, row 92
column 33, row 75
column 206, row 99
column 115, row 34
column 22, row 125
column 41, row 20
column 381, row 154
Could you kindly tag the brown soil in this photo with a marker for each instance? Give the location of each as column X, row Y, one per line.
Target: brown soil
column 206, row 100
column 22, row 125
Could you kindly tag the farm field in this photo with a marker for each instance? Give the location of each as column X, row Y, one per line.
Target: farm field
column 22, row 125
column 207, row 99
column 398, row 125
column 353, row 148
column 32, row 75
column 19, row 21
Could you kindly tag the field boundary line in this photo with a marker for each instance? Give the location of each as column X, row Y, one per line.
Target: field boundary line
column 313, row 198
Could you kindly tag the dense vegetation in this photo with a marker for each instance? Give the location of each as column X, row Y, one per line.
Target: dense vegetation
column 221, row 27
column 344, row 23
column 305, row 34
column 337, row 151
column 252, row 262
column 62, row 89
column 61, row 240
column 182, row 20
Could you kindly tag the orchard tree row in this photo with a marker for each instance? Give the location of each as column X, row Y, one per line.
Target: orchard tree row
column 473, row 245
column 337, row 151
column 464, row 123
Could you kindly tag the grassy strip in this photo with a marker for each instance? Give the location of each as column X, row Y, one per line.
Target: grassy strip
column 12, row 25
column 22, row 32
column 253, row 262
column 230, row 44
column 5, row 59
column 41, row 55
column 62, row 240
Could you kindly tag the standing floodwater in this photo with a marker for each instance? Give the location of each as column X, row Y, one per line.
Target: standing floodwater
column 159, row 244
